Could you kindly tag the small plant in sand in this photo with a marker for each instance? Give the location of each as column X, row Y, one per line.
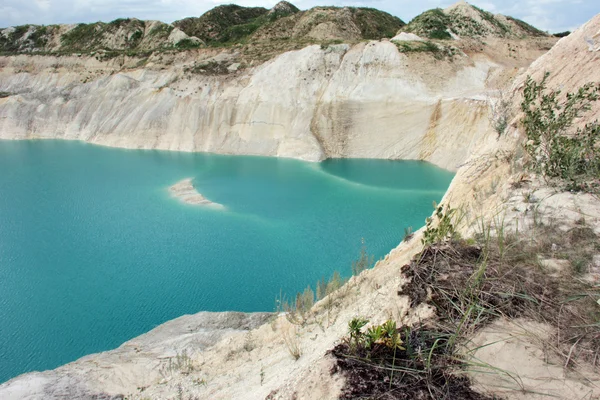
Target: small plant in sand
column 298, row 311
column 408, row 234
column 501, row 113
column 181, row 363
column 385, row 334
column 441, row 227
column 364, row 261
column 292, row 342
column 385, row 361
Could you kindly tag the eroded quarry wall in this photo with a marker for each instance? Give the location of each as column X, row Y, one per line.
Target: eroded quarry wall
column 368, row 100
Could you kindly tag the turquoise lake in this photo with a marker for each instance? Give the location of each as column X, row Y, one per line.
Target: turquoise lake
column 94, row 251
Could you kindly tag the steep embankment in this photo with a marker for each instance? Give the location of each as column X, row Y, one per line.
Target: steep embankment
column 367, row 100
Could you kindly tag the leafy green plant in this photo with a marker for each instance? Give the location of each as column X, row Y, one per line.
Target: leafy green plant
column 500, row 113
column 386, row 334
column 356, row 337
column 557, row 148
column 440, row 228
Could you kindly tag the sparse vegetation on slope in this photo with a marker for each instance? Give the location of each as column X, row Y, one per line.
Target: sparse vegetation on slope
column 470, row 284
column 25, row 38
column 438, row 51
column 223, row 23
column 375, row 24
column 529, row 29
column 466, row 20
column 298, row 311
column 119, row 36
column 557, row 147
column 256, row 29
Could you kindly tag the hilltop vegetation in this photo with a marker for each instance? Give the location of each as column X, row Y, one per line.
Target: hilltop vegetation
column 119, row 35
column 222, row 26
column 465, row 20
column 230, row 24
column 257, row 32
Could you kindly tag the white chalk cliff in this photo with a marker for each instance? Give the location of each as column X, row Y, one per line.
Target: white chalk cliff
column 369, row 100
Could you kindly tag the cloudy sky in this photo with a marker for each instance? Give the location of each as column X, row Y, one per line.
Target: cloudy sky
column 549, row 15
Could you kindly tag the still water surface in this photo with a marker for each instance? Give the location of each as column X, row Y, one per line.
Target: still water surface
column 94, row 252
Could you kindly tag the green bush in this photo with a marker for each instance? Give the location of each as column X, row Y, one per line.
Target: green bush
column 187, row 44
column 556, row 146
column 444, row 229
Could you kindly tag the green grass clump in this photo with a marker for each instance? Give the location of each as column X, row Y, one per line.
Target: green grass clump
column 187, row 44
column 438, row 51
column 417, row 47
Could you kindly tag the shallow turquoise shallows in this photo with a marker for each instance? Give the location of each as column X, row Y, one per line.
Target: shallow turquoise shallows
column 94, row 251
